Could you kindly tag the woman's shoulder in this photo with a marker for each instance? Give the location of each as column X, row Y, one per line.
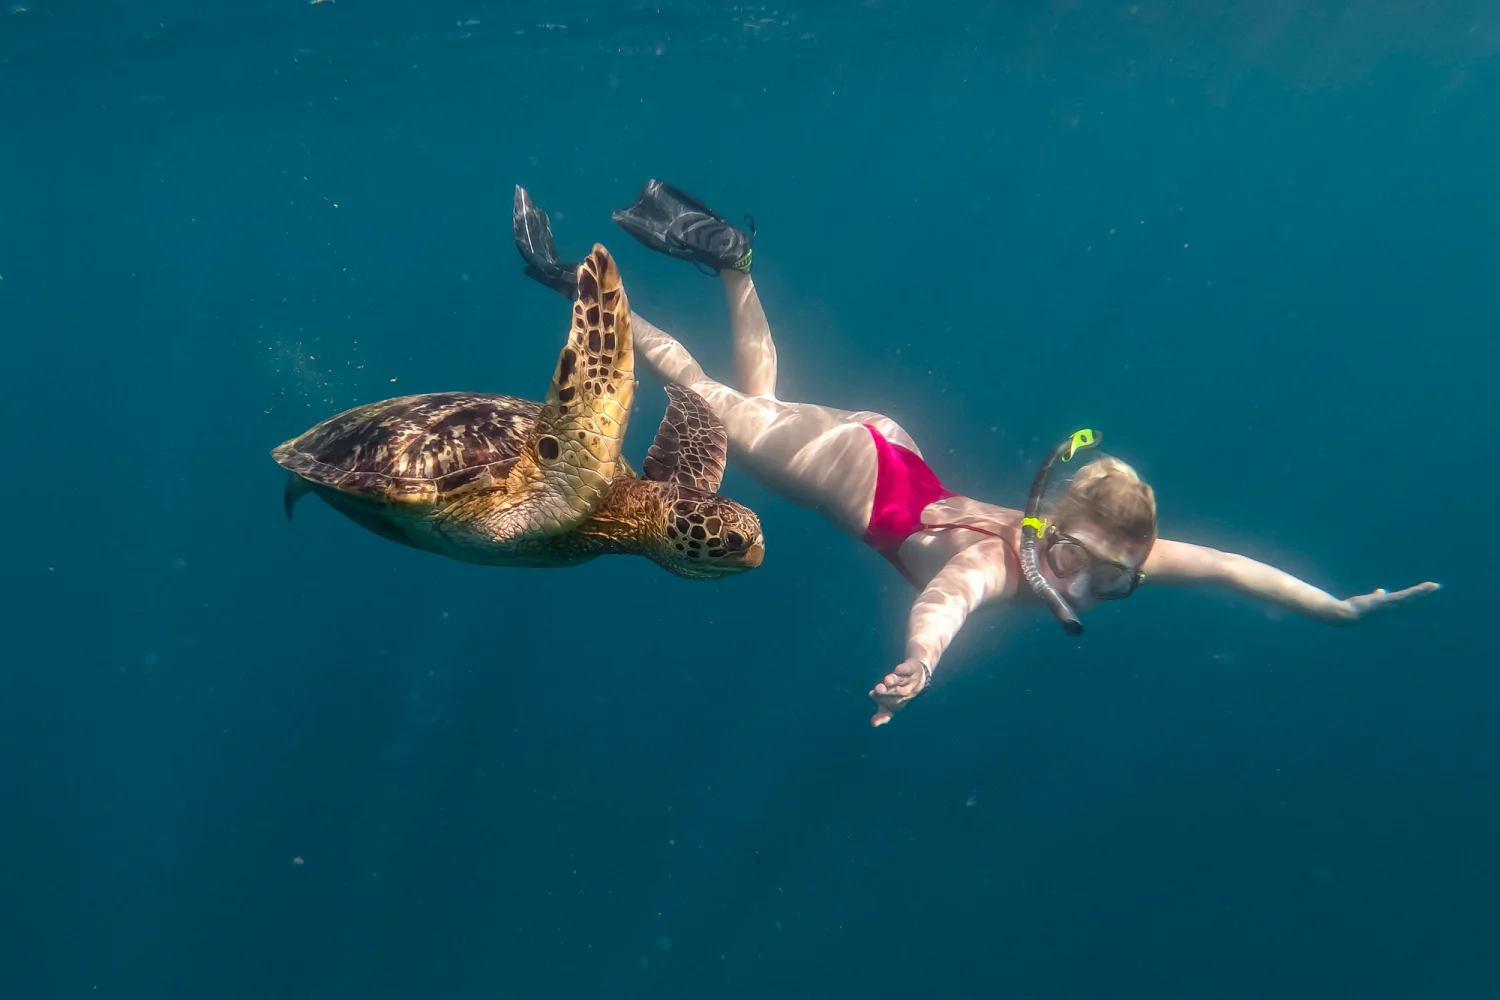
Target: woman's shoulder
column 955, row 511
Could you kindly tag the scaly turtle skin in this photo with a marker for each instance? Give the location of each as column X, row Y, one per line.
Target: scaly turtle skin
column 498, row 480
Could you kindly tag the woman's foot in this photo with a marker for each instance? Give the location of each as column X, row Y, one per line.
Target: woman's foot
column 909, row 680
column 673, row 222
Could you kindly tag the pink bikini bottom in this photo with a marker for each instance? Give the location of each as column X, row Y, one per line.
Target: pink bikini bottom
column 904, row 485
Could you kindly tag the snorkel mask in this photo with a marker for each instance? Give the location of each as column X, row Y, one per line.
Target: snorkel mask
column 1032, row 528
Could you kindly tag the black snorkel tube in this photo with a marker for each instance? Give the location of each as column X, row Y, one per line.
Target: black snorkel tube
column 1033, row 527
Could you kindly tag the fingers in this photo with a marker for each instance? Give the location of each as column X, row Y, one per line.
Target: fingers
column 1383, row 600
column 895, row 687
column 894, row 690
column 886, row 711
column 1418, row 591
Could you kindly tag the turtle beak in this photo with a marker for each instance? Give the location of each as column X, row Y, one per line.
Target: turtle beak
column 755, row 553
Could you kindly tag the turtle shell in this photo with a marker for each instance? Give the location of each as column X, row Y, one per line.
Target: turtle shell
column 415, row 449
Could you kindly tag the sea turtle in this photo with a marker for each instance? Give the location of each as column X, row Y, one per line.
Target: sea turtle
column 498, row 480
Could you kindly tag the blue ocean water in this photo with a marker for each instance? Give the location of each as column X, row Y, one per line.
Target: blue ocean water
column 241, row 758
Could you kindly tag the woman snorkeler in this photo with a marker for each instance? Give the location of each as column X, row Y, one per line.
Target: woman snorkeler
column 865, row 474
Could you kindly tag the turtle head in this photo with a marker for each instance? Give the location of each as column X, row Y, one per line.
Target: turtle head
column 703, row 535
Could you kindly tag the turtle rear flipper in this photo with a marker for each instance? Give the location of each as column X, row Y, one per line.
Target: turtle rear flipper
column 533, row 232
column 574, row 451
column 296, row 488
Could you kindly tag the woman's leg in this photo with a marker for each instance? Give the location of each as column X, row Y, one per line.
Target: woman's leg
column 755, row 357
column 754, row 351
column 814, row 456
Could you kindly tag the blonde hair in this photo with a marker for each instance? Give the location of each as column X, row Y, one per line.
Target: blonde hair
column 1110, row 498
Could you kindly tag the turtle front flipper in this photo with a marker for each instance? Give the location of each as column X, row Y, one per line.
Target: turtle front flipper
column 574, row 450
column 691, row 444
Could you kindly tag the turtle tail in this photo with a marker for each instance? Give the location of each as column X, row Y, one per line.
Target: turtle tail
column 533, row 232
column 296, row 489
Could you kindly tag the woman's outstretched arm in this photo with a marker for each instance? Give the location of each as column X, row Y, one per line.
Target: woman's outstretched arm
column 972, row 578
column 1197, row 565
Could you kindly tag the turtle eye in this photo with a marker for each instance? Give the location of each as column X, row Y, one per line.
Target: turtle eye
column 735, row 540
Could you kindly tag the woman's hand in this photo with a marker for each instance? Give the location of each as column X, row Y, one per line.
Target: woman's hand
column 1382, row 600
column 900, row 686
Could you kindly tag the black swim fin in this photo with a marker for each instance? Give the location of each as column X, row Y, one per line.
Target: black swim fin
column 533, row 231
column 673, row 222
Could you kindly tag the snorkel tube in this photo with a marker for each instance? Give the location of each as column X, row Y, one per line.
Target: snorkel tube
column 1032, row 528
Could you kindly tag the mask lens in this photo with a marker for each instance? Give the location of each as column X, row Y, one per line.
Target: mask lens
column 1112, row 581
column 1108, row 581
column 1068, row 557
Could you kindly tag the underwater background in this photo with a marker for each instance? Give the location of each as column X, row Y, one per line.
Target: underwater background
column 1254, row 244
